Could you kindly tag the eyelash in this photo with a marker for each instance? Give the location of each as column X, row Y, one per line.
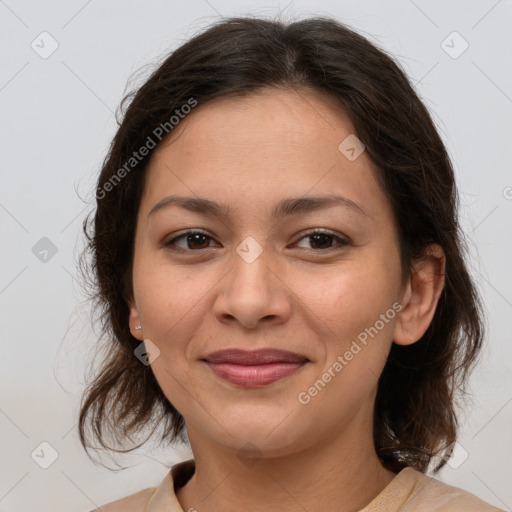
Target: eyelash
column 341, row 242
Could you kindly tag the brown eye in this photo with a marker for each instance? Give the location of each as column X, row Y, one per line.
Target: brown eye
column 323, row 240
column 193, row 240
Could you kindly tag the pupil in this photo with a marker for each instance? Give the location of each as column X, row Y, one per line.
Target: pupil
column 193, row 239
column 321, row 237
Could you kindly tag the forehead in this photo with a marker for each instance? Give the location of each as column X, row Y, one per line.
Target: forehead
column 269, row 117
column 256, row 149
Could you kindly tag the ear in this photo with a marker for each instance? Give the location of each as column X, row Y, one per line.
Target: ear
column 134, row 319
column 421, row 296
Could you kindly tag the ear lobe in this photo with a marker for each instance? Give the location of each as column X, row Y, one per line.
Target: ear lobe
column 134, row 319
column 422, row 296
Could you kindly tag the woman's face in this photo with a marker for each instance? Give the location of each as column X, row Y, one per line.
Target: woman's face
column 260, row 276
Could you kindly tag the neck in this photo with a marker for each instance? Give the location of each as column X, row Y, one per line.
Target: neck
column 340, row 473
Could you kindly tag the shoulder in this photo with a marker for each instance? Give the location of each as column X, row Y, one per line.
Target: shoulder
column 153, row 499
column 428, row 493
column 136, row 502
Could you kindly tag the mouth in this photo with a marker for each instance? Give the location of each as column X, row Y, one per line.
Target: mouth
column 254, row 369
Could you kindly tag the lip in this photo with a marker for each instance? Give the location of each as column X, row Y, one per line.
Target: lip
column 255, row 368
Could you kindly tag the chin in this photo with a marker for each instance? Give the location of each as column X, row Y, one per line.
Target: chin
column 260, row 439
column 249, row 449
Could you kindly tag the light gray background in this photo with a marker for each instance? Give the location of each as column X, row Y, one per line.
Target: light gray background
column 55, row 126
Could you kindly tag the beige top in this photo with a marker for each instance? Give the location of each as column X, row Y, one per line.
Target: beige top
column 409, row 491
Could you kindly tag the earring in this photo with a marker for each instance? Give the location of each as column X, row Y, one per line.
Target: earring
column 138, row 327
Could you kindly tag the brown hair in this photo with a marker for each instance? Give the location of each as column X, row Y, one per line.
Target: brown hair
column 414, row 415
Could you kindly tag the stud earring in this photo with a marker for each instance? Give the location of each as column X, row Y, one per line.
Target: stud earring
column 138, row 327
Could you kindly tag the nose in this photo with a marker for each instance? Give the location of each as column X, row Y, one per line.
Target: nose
column 253, row 293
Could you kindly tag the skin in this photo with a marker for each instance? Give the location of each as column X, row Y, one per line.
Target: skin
column 297, row 295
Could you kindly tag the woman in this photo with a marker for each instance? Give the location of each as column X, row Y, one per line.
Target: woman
column 279, row 266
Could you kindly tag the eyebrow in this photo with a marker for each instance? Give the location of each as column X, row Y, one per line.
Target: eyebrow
column 284, row 208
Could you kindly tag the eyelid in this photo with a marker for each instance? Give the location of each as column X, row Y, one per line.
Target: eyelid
column 314, row 231
column 185, row 232
column 342, row 240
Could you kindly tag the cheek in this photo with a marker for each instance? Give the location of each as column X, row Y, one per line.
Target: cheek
column 166, row 292
column 349, row 297
column 173, row 309
column 168, row 302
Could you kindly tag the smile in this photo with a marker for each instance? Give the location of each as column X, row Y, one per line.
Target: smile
column 254, row 369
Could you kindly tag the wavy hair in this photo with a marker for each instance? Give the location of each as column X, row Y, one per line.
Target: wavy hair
column 415, row 415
